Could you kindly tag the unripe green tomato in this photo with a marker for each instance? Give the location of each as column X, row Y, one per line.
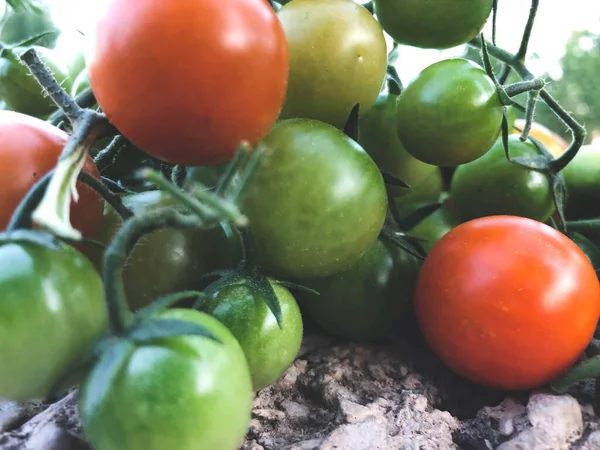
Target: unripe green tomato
column 338, row 58
column 269, row 350
column 426, row 192
column 433, row 227
column 21, row 91
column 450, row 114
column 582, row 177
column 441, row 24
column 80, row 84
column 492, row 185
column 378, row 136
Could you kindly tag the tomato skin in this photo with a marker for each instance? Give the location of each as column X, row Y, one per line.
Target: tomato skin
column 184, row 255
column 378, row 136
column 366, row 301
column 21, row 91
column 185, row 392
column 582, row 180
column 29, row 148
column 588, row 247
column 450, row 114
column 48, row 316
column 553, row 142
column 492, row 185
column 269, row 350
column 316, row 203
column 420, row 24
column 433, row 227
column 507, row 302
column 224, row 83
column 426, row 192
column 338, row 58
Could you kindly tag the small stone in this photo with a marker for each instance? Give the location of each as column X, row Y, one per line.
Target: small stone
column 10, row 413
column 295, row 411
column 556, row 422
column 358, row 436
column 353, row 412
column 592, row 442
column 272, row 415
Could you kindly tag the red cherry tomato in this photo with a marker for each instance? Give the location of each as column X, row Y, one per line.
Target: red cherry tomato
column 507, row 302
column 29, row 149
column 188, row 80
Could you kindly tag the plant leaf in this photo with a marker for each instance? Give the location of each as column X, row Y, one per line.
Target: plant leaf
column 164, row 328
column 104, row 373
column 590, row 368
column 261, row 285
column 351, row 127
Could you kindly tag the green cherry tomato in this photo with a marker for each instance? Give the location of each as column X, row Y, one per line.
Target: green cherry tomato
column 170, row 260
column 317, row 201
column 209, row 176
column 582, row 177
column 51, row 310
column 183, row 392
column 491, row 185
column 366, row 301
column 590, row 249
column 81, row 83
column 338, row 58
column 441, row 25
column 21, row 91
column 450, row 114
column 434, row 226
column 269, row 350
column 378, row 136
column 426, row 192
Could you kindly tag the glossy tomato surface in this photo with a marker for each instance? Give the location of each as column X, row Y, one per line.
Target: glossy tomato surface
column 507, row 302
column 441, row 24
column 492, row 185
column 169, row 260
column 316, row 203
column 51, row 309
column 378, row 136
column 29, row 148
column 269, row 350
column 449, row 114
column 582, row 177
column 184, row 392
column 188, row 81
column 338, row 58
column 368, row 300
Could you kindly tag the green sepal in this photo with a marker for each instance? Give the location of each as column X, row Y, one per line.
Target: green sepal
column 151, row 330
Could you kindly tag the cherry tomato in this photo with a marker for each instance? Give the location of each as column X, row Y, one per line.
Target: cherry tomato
column 29, row 148
column 184, row 392
column 588, row 247
column 426, row 192
column 378, row 136
column 507, row 302
column 445, row 24
column 316, row 203
column 553, row 142
column 225, row 80
column 51, row 310
column 492, row 185
column 450, row 114
column 338, row 58
column 434, row 226
column 366, row 301
column 21, row 92
column 169, row 260
column 582, row 177
column 269, row 350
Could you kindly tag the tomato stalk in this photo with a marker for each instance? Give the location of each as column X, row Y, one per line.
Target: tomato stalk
column 520, row 87
column 106, row 155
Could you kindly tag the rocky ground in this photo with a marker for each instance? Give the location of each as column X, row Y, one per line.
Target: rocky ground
column 346, row 396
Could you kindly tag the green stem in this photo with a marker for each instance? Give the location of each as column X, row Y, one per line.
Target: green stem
column 529, row 114
column 109, row 152
column 521, row 87
column 527, row 32
column 110, row 198
column 21, row 217
column 518, row 66
column 115, row 256
column 50, row 86
column 584, row 226
column 85, row 100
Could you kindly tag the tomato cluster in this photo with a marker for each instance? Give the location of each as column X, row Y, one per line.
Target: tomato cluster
column 370, row 203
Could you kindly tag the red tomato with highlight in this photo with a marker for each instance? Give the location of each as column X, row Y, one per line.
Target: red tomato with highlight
column 188, row 80
column 507, row 302
column 29, row 149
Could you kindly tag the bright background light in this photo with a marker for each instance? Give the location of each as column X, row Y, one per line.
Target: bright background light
column 556, row 20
